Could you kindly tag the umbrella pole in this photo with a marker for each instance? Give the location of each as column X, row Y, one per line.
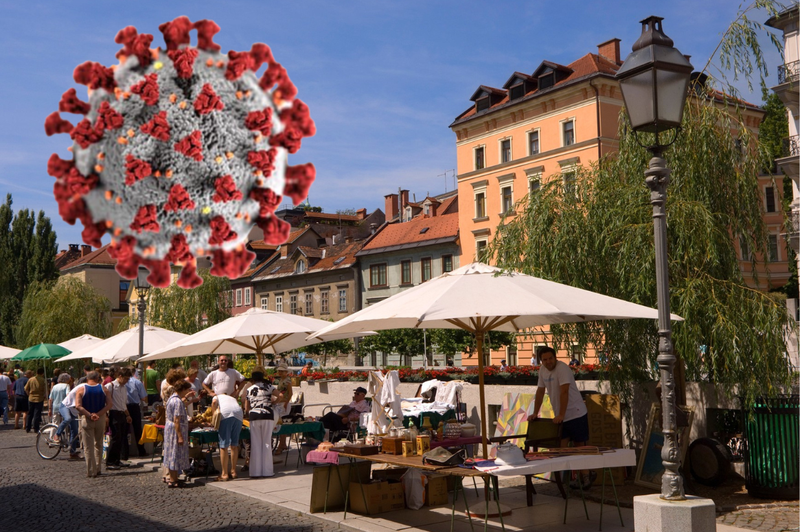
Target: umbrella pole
column 479, row 342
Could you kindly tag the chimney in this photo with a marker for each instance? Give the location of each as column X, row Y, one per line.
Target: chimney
column 85, row 250
column 323, row 252
column 284, row 251
column 403, row 198
column 361, row 213
column 610, row 50
column 73, row 247
column 372, row 228
column 391, row 206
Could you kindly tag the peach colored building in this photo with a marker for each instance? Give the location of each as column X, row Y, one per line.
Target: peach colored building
column 537, row 127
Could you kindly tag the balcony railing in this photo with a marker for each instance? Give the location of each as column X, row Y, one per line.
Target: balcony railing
column 791, row 146
column 790, row 72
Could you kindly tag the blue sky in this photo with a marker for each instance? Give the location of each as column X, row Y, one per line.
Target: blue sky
column 383, row 79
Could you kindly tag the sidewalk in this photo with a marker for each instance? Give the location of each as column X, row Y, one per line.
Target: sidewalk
column 290, row 488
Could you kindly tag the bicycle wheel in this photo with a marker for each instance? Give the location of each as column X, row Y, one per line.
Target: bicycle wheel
column 45, row 446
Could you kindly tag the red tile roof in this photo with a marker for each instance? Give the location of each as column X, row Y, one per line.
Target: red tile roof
column 395, row 234
column 585, row 66
column 337, row 257
column 446, row 204
column 98, row 257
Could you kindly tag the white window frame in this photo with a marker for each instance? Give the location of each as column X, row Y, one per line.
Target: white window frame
column 480, row 190
column 300, row 267
column 474, row 157
column 238, row 297
column 247, row 297
column 744, row 250
column 324, row 302
column 478, row 240
column 777, row 237
column 279, row 303
column 562, row 125
column 500, row 150
column 309, row 304
column 538, row 140
column 293, row 303
column 342, row 300
column 264, row 302
column 504, row 182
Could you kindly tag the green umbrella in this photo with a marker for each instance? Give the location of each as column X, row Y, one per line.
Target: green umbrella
column 41, row 352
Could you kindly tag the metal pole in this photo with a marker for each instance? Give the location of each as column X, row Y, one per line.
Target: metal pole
column 141, row 306
column 657, row 179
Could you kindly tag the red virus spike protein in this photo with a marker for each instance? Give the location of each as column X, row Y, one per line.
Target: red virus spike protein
column 180, row 151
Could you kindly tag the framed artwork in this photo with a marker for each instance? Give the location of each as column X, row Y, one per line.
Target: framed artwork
column 650, row 467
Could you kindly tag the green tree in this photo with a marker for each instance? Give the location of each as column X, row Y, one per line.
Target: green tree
column 453, row 341
column 189, row 311
column 27, row 252
column 328, row 349
column 53, row 312
column 601, row 239
column 404, row 342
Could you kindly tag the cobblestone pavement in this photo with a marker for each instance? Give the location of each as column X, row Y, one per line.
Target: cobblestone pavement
column 783, row 518
column 55, row 495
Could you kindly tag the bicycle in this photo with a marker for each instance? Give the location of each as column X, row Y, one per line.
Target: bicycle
column 46, row 446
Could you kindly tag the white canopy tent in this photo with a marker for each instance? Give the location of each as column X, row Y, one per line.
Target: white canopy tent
column 125, row 345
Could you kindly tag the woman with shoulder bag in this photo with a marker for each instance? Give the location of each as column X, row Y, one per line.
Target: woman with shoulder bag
column 258, row 403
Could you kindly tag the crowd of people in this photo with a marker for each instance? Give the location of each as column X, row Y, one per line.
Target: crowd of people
column 112, row 401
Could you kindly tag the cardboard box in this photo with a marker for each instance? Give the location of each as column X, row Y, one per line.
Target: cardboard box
column 380, row 497
column 393, row 473
column 436, row 490
column 335, row 487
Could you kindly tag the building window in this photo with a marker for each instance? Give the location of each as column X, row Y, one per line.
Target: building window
column 264, row 303
column 342, row 300
column 534, row 184
column 769, row 196
column 293, row 304
column 745, row 249
column 479, row 158
column 447, row 263
column 511, row 355
column 480, row 249
column 480, row 205
column 577, row 354
column 405, row 272
column 505, row 150
column 309, row 304
column 238, row 297
column 773, row 248
column 425, row 269
column 506, row 199
column 533, row 142
column 247, row 300
column 377, row 275
column 323, row 302
column 279, row 303
column 569, row 132
column 124, row 286
column 570, row 186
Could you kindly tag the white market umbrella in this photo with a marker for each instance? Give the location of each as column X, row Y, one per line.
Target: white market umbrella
column 8, row 352
column 479, row 298
column 80, row 342
column 125, row 345
column 255, row 331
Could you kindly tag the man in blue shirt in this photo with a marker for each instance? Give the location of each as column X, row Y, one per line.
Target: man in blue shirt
column 21, row 400
column 136, row 394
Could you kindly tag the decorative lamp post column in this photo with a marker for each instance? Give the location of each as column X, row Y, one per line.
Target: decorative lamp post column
column 142, row 288
column 654, row 80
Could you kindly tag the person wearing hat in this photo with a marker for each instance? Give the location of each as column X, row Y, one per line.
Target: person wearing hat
column 283, row 385
column 339, row 421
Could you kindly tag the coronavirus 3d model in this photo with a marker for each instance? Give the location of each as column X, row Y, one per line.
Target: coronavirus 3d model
column 181, row 152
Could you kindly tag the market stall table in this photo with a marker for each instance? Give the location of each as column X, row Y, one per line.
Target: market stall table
column 314, row 429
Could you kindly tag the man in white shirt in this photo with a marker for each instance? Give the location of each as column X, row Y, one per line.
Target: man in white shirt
column 118, row 418
column 225, row 380
column 557, row 379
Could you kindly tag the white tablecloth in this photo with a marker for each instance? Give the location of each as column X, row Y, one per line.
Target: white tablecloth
column 617, row 458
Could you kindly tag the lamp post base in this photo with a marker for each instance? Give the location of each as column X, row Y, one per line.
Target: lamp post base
column 651, row 513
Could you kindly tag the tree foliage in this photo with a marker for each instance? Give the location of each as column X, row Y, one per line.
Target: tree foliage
column 600, row 238
column 53, row 312
column 27, row 253
column 190, row 311
column 453, row 341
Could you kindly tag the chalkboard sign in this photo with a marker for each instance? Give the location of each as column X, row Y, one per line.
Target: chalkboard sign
column 650, row 466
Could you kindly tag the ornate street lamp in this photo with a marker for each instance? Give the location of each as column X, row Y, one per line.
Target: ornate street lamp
column 142, row 287
column 654, row 80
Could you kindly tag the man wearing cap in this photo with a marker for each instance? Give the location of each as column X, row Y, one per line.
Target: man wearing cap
column 338, row 421
column 225, row 380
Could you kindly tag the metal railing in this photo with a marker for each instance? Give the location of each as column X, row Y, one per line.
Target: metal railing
column 790, row 72
column 791, row 146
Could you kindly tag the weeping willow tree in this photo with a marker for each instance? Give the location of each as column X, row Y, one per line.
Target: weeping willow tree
column 599, row 236
column 53, row 312
column 188, row 311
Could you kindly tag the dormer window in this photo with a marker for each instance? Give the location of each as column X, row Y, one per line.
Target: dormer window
column 548, row 80
column 482, row 103
column 300, row 267
column 517, row 91
column 408, row 214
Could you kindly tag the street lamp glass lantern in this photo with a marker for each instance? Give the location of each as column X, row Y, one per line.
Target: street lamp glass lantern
column 654, row 80
column 141, row 283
